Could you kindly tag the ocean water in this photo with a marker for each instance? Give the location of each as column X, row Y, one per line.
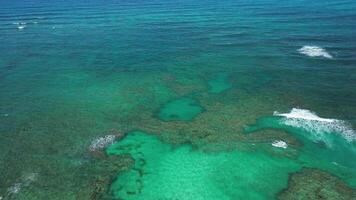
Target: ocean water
column 163, row 99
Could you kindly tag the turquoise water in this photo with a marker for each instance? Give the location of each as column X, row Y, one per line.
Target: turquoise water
column 161, row 172
column 219, row 83
column 177, row 99
column 184, row 109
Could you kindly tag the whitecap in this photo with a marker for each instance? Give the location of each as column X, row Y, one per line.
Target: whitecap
column 15, row 188
column 19, row 23
column 297, row 113
column 317, row 126
column 30, row 177
column 21, row 27
column 314, row 51
column 102, row 142
column 280, row 144
column 26, row 180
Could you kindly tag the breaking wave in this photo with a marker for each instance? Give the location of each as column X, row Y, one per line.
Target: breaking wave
column 26, row 180
column 20, row 25
column 102, row 142
column 280, row 144
column 318, row 126
column 314, row 51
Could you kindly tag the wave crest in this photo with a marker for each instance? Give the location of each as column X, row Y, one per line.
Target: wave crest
column 314, row 51
column 26, row 180
column 280, row 144
column 318, row 126
column 102, row 142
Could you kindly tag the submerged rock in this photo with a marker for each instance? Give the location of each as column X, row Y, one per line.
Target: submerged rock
column 99, row 174
column 316, row 184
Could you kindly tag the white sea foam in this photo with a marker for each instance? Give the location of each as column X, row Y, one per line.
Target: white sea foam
column 296, row 113
column 102, row 142
column 31, row 177
column 26, row 180
column 318, row 126
column 314, row 51
column 15, row 188
column 20, row 27
column 280, row 144
column 19, row 23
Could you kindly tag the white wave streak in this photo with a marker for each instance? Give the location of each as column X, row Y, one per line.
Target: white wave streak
column 102, row 142
column 27, row 179
column 20, row 25
column 309, row 121
column 280, row 144
column 15, row 188
column 314, row 51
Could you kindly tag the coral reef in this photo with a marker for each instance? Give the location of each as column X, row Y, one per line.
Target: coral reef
column 315, row 184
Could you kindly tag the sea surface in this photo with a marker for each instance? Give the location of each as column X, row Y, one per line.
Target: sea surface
column 177, row 99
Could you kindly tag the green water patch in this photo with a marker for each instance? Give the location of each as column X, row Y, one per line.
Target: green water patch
column 219, row 83
column 183, row 109
column 163, row 172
